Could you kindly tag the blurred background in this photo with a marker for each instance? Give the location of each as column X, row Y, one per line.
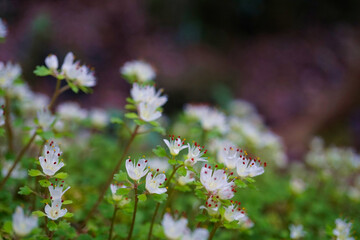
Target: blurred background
column 297, row 61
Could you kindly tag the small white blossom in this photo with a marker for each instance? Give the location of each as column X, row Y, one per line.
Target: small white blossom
column 198, row 234
column 17, row 173
column 229, row 156
column 249, row 167
column 23, row 225
column 148, row 112
column 45, row 119
column 213, row 181
column 138, row 71
column 147, row 94
column 212, row 206
column 227, row 191
column 153, row 183
column 52, row 62
column 3, row 29
column 173, row 229
column 54, row 212
column 118, row 198
column 234, row 213
column 50, row 162
column 34, row 102
column 246, row 222
column 8, row 74
column 157, row 163
column 136, row 170
column 70, row 111
column 190, row 177
column 296, row 231
column 195, row 154
column 99, row 117
column 297, row 185
column 342, row 230
column 2, row 117
column 57, row 192
column 175, row 145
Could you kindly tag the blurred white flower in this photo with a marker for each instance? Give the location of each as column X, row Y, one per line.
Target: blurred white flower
column 227, row 191
column 354, row 193
column 99, row 117
column 17, row 173
column 153, row 183
column 34, row 102
column 147, row 94
column 229, row 155
column 173, row 229
column 213, row 182
column 2, row 117
column 175, row 145
column 342, row 230
column 56, row 192
column 212, row 206
column 157, row 163
column 246, row 222
column 248, row 167
column 50, row 162
column 148, row 111
column 70, row 111
column 52, row 62
column 8, row 74
column 3, row 29
column 118, row 198
column 45, row 119
column 138, row 71
column 195, row 154
column 136, row 170
column 297, row 185
column 190, row 177
column 23, row 225
column 198, row 234
column 234, row 213
column 54, row 212
column 59, row 126
column 296, row 231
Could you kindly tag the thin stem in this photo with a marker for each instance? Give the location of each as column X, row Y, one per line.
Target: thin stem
column 8, row 127
column 212, row 234
column 111, row 177
column 158, row 204
column 57, row 93
column 112, row 221
column 17, row 160
column 134, row 213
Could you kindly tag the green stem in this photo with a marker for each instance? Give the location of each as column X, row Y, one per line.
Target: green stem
column 8, row 127
column 134, row 213
column 158, row 204
column 212, row 234
column 112, row 222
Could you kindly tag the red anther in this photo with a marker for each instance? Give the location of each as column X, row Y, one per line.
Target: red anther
column 47, row 152
column 264, row 164
column 232, row 210
column 259, row 160
column 152, row 175
column 252, row 164
column 54, row 162
column 209, row 167
column 55, row 179
column 178, row 136
column 179, row 145
column 216, row 165
column 217, row 196
column 224, row 149
column 239, row 209
column 216, row 205
column 231, row 173
column 214, row 179
column 242, row 212
column 173, row 135
column 62, row 181
column 192, row 159
column 50, row 197
column 244, row 163
column 145, row 160
column 62, row 200
column 240, row 150
column 58, row 154
column 236, row 201
column 165, row 179
column 45, row 159
column 203, row 146
column 250, row 159
column 52, row 184
column 129, row 160
column 160, row 184
column 169, row 135
column 206, row 203
column 243, row 158
column 139, row 164
column 209, row 205
column 61, row 185
column 239, row 203
column 205, row 151
column 157, row 170
column 205, row 165
column 205, row 172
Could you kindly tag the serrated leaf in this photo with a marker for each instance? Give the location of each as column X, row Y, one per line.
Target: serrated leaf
column 130, row 107
column 44, row 183
column 142, row 197
column 154, row 123
column 42, row 71
column 201, row 218
column 116, row 120
column 52, row 226
column 39, row 214
column 61, row 175
column 35, row 172
column 130, row 100
column 68, row 215
column 7, row 227
column 159, row 197
column 66, row 202
column 131, row 115
column 200, row 194
column 214, row 220
column 231, row 225
column 172, row 161
column 123, row 191
column 121, row 176
column 159, row 151
column 182, row 171
column 46, row 135
column 240, row 183
column 25, row 190
column 139, row 122
column 250, row 180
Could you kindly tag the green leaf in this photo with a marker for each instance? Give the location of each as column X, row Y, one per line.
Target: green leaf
column 44, row 183
column 182, row 171
column 121, row 176
column 123, row 191
column 131, row 115
column 61, row 175
column 200, row 194
column 250, row 180
column 116, row 120
column 46, row 200
column 25, row 190
column 52, row 226
column 160, row 151
column 240, row 183
column 160, row 130
column 159, row 197
column 214, row 220
column 46, row 135
column 130, row 100
column 183, row 188
column 39, row 214
column 74, row 88
column 130, row 107
column 35, row 172
column 231, row 225
column 172, row 162
column 42, row 71
column 66, row 202
column 201, row 218
column 139, row 122
column 68, row 215
column 154, row 123
column 142, row 197
column 7, row 227
column 2, row 132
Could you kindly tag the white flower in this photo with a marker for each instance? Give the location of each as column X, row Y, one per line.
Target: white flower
column 136, row 170
column 246, row 222
column 50, row 162
column 153, row 183
column 212, row 206
column 3, row 29
column 213, row 181
column 195, row 154
column 8, row 74
column 2, row 117
column 229, row 156
column 249, row 167
column 147, row 94
column 297, row 185
column 17, row 173
column 35, row 102
column 157, row 163
column 296, row 231
column 118, row 198
column 52, row 62
column 173, row 229
column 190, row 177
column 23, row 225
column 234, row 213
column 175, row 145
column 198, row 234
column 70, row 111
column 99, row 117
column 54, row 212
column 227, row 191
column 57, row 192
column 45, row 119
column 342, row 230
column 148, row 111
column 138, row 71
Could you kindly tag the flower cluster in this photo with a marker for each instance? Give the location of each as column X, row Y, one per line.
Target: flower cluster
column 296, row 231
column 22, row 224
column 342, row 230
column 138, row 71
column 9, row 72
column 51, row 161
column 3, row 29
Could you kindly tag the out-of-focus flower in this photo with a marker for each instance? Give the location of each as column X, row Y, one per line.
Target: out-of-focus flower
column 8, row 74
column 157, row 163
column 213, row 181
column 296, row 231
column 246, row 222
column 45, row 119
column 212, row 206
column 175, row 145
column 354, row 193
column 118, row 198
column 2, row 117
column 195, row 154
column 173, row 229
column 198, row 234
column 71, row 111
column 3, row 29
column 297, row 185
column 190, row 177
column 99, row 117
column 229, row 155
column 52, row 62
column 23, row 225
column 148, row 112
column 342, row 230
column 56, row 192
column 233, row 213
column 153, row 183
column 54, row 212
column 138, row 71
column 51, row 162
column 17, row 173
column 34, row 102
column 249, row 167
column 136, row 170
column 227, row 191
column 147, row 94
